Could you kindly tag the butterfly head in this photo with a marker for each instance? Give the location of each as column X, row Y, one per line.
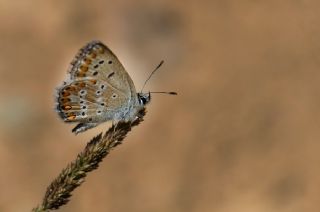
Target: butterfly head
column 144, row 98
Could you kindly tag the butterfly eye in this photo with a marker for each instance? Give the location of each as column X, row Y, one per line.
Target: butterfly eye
column 144, row 100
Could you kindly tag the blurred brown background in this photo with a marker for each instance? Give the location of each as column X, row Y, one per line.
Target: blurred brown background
column 243, row 134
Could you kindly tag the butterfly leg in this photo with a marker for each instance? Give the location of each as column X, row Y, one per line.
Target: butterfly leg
column 83, row 127
column 114, row 125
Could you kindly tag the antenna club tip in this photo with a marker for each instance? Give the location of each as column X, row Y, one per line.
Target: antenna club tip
column 160, row 64
column 173, row 93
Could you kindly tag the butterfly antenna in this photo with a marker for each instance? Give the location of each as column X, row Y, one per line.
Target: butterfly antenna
column 160, row 64
column 170, row 93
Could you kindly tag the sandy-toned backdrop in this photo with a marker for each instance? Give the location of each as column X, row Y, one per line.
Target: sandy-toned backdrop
column 243, row 134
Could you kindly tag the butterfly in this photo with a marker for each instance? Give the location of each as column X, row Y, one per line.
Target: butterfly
column 98, row 89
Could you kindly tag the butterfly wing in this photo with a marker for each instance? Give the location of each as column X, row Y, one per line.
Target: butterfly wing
column 97, row 89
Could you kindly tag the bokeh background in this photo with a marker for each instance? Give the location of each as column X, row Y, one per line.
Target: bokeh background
column 242, row 135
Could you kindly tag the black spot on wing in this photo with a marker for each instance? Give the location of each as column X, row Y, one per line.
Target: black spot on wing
column 111, row 74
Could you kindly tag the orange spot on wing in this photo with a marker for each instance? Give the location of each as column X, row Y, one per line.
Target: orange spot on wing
column 65, row 100
column 70, row 88
column 65, row 93
column 93, row 55
column 84, row 68
column 81, row 74
column 66, row 107
column 87, row 61
column 82, row 84
column 93, row 81
column 71, row 117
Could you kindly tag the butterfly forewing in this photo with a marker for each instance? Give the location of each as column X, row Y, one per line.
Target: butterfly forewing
column 96, row 60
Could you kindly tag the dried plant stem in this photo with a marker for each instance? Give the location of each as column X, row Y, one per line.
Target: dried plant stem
column 59, row 191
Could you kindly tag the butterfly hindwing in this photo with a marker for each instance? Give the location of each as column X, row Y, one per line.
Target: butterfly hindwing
column 88, row 100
